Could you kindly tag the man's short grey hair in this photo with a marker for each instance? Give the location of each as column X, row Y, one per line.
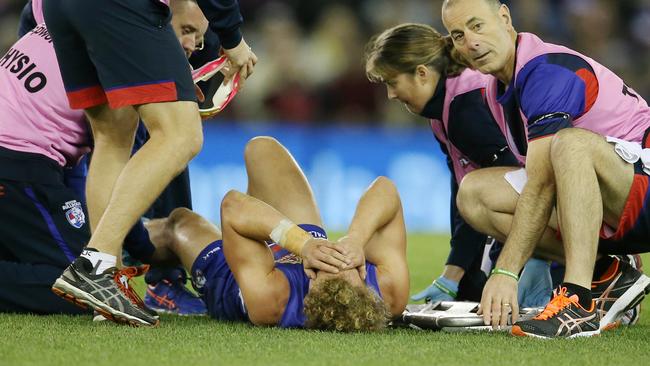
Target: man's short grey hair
column 496, row 4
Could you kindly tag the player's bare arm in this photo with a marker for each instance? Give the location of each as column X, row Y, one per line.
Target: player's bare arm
column 247, row 223
column 378, row 227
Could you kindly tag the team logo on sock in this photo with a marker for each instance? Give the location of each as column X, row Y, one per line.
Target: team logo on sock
column 74, row 213
column 198, row 279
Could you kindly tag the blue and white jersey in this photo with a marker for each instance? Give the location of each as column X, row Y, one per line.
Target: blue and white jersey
column 215, row 282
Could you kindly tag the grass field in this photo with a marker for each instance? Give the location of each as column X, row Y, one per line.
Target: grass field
column 62, row 340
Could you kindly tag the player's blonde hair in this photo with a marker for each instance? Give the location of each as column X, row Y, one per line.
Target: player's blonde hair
column 335, row 304
column 402, row 48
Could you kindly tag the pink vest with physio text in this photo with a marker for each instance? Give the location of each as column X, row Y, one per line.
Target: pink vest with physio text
column 35, row 116
column 612, row 114
column 467, row 81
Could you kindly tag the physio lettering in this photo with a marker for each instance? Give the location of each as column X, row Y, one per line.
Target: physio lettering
column 21, row 66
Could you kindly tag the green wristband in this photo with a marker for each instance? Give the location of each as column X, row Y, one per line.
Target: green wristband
column 444, row 289
column 505, row 273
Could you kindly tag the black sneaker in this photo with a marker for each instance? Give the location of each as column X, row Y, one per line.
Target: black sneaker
column 107, row 293
column 619, row 293
column 563, row 317
column 632, row 316
column 124, row 276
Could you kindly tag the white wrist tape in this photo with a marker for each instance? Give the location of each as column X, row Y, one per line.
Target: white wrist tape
column 279, row 234
column 290, row 236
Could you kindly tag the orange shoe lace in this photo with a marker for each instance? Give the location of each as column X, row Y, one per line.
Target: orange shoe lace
column 124, row 285
column 559, row 302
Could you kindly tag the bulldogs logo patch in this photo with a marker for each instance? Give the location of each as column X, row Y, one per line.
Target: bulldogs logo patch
column 74, row 214
column 198, row 279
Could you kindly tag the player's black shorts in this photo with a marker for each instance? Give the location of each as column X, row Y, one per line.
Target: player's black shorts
column 120, row 52
column 633, row 232
column 43, row 221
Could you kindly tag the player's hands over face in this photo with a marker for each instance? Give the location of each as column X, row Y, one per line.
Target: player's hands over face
column 355, row 254
column 242, row 59
column 498, row 300
column 323, row 255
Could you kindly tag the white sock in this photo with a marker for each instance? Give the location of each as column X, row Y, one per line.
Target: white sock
column 101, row 261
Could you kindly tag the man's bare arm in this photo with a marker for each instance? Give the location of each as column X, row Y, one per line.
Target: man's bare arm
column 532, row 213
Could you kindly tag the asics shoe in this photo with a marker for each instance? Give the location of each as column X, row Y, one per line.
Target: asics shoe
column 108, row 293
column 124, row 277
column 98, row 317
column 563, row 317
column 172, row 297
column 619, row 293
column 632, row 316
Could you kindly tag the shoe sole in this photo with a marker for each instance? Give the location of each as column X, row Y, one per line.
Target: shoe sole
column 86, row 300
column 97, row 318
column 631, row 298
column 517, row 331
column 610, row 326
column 172, row 312
column 635, row 318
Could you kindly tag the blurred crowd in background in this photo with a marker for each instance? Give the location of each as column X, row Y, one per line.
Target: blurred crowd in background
column 310, row 51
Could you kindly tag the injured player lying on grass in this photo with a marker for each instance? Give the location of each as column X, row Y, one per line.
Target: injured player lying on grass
column 267, row 270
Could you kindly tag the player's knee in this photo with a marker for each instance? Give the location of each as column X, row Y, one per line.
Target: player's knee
column 386, row 185
column 230, row 207
column 180, row 217
column 261, row 147
column 180, row 213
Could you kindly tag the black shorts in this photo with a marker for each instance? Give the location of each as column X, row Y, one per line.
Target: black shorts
column 43, row 221
column 633, row 232
column 120, row 52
